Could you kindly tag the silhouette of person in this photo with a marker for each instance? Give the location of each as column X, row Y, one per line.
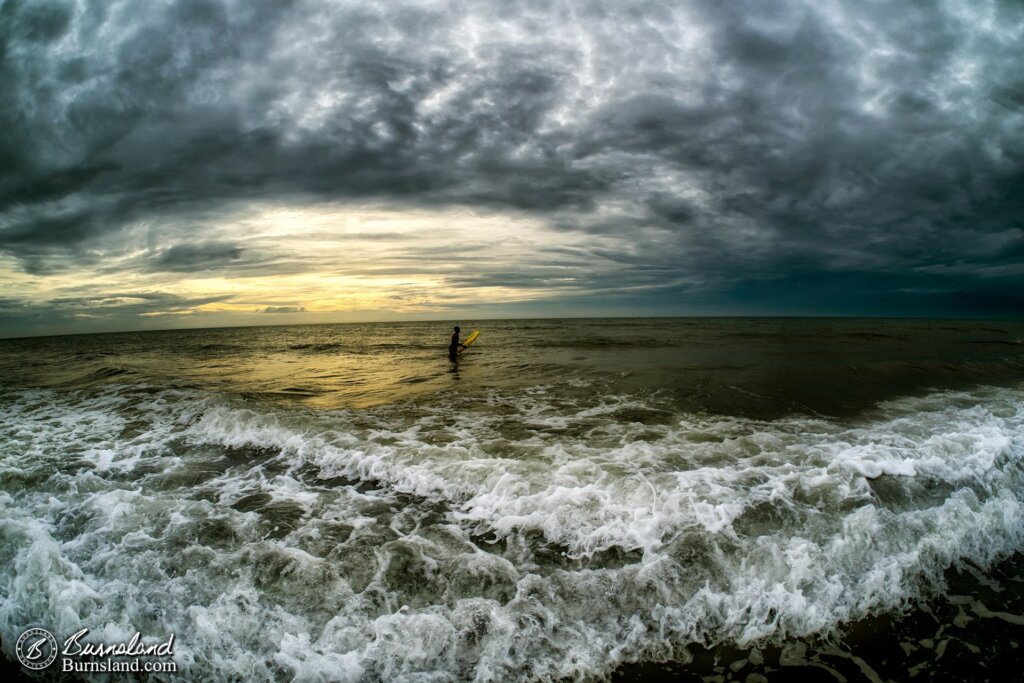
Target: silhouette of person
column 455, row 346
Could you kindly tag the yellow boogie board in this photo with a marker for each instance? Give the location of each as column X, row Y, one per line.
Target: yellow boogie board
column 470, row 339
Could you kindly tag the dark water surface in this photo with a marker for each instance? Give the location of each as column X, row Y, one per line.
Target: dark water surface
column 733, row 498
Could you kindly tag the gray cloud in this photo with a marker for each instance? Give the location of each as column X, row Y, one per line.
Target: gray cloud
column 730, row 143
column 193, row 257
column 124, row 303
column 98, row 312
column 283, row 309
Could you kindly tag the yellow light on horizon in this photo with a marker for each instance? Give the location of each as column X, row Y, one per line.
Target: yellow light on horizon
column 328, row 258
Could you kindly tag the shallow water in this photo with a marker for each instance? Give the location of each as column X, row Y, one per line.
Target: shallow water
column 341, row 502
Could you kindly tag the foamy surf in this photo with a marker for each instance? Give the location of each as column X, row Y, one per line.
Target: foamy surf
column 534, row 534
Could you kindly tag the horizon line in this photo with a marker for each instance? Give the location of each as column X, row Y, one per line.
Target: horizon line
column 584, row 317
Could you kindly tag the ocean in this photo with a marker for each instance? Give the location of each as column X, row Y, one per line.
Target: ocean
column 614, row 499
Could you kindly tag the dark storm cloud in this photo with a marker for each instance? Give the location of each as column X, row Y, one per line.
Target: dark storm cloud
column 730, row 143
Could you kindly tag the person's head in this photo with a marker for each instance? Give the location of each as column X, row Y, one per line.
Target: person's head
column 458, row 329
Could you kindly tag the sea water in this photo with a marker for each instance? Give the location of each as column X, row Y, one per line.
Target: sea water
column 576, row 499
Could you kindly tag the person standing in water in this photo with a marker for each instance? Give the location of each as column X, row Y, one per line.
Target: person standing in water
column 455, row 346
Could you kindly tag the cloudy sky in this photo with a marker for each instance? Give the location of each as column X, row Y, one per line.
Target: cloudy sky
column 216, row 162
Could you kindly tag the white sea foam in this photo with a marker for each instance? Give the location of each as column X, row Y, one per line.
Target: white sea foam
column 520, row 537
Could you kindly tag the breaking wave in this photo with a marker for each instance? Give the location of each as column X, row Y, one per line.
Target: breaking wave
column 524, row 534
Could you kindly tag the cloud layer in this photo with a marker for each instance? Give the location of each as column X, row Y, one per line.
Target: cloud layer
column 681, row 151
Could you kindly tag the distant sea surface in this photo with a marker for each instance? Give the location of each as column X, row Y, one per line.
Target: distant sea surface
column 727, row 499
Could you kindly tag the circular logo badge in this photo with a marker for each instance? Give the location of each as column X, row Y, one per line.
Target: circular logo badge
column 36, row 649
